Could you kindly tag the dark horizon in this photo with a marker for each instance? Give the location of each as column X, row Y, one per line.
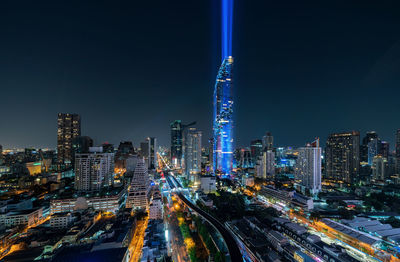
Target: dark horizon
column 302, row 70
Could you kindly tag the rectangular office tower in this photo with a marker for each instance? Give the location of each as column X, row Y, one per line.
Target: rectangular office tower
column 69, row 128
column 93, row 170
column 308, row 168
column 192, row 153
column 342, row 157
column 176, row 143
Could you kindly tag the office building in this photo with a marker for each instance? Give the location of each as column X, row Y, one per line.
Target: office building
column 265, row 167
column 374, row 148
column 69, row 128
column 192, row 153
column 176, row 143
column 93, row 170
column 364, row 146
column 152, row 141
column 256, row 149
column 379, row 168
column 384, row 149
column 342, row 157
column 138, row 195
column 208, row 184
column 268, row 141
column 308, row 168
column 108, row 148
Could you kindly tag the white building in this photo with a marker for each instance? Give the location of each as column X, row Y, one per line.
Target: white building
column 379, row 167
column 61, row 220
column 109, row 203
column 208, row 184
column 23, row 217
column 138, row 195
column 93, row 170
column 265, row 167
column 156, row 207
column 192, row 153
column 308, row 168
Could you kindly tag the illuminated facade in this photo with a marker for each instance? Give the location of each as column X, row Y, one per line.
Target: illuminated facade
column 223, row 97
column 69, row 127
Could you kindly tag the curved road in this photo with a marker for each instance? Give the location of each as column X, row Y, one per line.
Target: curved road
column 234, row 251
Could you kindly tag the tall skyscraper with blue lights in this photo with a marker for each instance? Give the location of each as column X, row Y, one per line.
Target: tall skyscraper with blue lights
column 223, row 97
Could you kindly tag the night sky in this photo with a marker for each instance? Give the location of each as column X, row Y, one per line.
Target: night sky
column 302, row 68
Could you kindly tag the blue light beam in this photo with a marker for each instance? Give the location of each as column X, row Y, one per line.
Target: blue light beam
column 226, row 28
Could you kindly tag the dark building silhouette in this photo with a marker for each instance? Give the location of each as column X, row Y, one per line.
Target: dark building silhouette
column 342, row 157
column 69, row 128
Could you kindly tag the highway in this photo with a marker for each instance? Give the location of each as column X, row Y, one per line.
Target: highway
column 234, row 251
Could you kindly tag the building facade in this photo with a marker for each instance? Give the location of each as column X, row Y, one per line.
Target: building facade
column 138, row 195
column 93, row 171
column 223, row 119
column 308, row 168
column 192, row 153
column 69, row 128
column 342, row 157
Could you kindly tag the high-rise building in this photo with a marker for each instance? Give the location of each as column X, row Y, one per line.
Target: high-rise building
column 308, row 167
column 384, row 149
column 265, row 167
column 398, row 151
column 126, row 148
column 223, row 118
column 138, row 195
column 342, row 156
column 176, row 143
column 379, row 168
column 80, row 144
column 152, row 141
column 268, row 141
column 256, row 148
column 374, row 147
column 69, row 128
column 192, row 153
column 223, row 98
column 364, row 146
column 93, row 170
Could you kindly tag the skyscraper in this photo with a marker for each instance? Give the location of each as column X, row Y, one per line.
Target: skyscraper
column 176, row 143
column 308, row 167
column 223, row 98
column 342, row 156
column 93, row 170
column 69, row 128
column 364, row 146
column 192, row 153
column 268, row 141
column 379, row 168
column 398, row 151
column 152, row 152
column 138, row 195
column 374, row 148
column 256, row 148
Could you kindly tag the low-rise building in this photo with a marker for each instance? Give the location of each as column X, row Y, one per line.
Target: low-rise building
column 27, row 217
column 61, row 220
column 208, row 184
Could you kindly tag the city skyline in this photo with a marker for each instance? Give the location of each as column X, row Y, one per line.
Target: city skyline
column 354, row 56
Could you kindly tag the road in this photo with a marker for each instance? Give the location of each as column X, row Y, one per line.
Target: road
column 233, row 248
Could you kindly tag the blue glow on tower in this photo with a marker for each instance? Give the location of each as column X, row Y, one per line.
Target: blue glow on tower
column 223, row 98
